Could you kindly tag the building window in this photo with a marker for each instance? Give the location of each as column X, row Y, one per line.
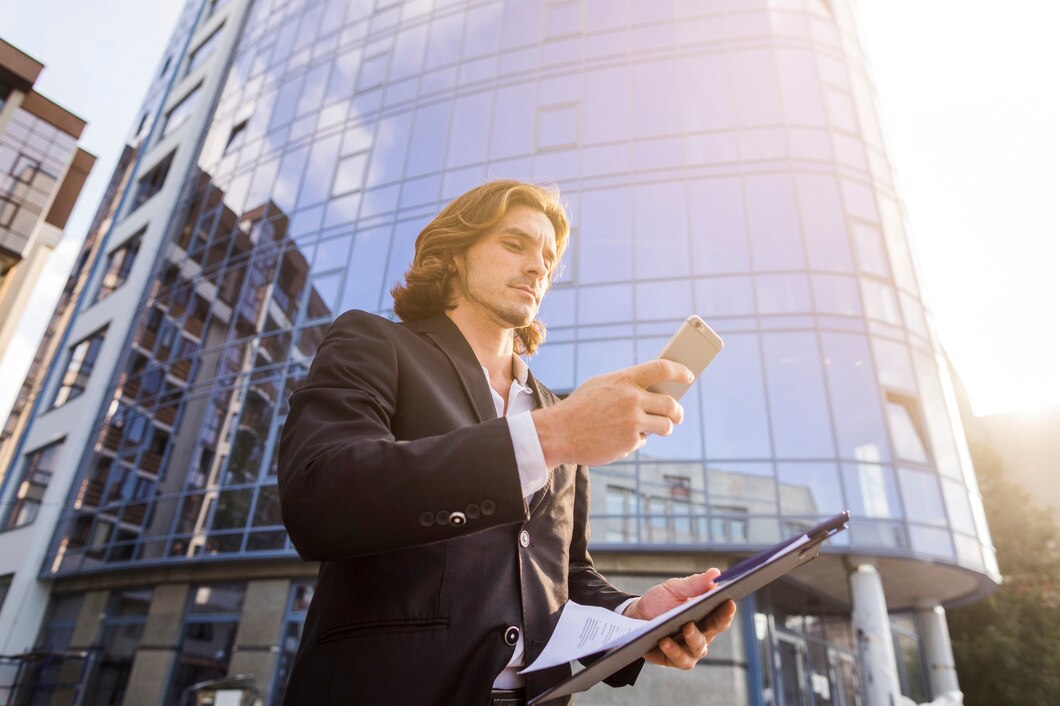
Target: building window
column 123, row 626
column 36, row 474
column 119, row 263
column 907, row 428
column 152, row 182
column 181, row 112
column 82, row 359
column 298, row 603
column 209, row 633
column 203, row 51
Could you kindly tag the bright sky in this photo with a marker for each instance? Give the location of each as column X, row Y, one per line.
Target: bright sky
column 970, row 100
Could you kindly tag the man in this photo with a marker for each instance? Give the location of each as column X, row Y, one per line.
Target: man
column 445, row 491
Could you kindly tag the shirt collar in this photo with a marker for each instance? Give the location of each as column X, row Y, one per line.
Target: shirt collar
column 520, row 373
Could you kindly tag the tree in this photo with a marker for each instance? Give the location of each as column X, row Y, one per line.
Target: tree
column 1007, row 647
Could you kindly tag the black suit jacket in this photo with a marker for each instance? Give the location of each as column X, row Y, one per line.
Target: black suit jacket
column 394, row 430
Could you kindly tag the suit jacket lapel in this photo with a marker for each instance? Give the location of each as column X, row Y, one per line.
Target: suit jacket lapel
column 445, row 334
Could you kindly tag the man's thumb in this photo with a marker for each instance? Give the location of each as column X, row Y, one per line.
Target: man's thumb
column 694, row 585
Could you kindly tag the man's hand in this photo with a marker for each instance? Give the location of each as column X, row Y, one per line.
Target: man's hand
column 610, row 416
column 697, row 637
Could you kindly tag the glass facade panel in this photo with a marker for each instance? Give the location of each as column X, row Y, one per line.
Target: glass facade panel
column 728, row 178
column 773, row 222
column 735, row 412
column 808, row 490
column 798, row 407
column 78, row 368
column 922, row 498
column 37, row 469
column 718, row 226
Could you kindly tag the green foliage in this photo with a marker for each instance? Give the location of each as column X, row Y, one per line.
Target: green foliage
column 1007, row 647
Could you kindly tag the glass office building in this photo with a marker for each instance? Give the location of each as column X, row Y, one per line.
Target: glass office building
column 721, row 158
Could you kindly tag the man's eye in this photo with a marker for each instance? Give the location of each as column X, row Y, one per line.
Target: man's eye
column 514, row 246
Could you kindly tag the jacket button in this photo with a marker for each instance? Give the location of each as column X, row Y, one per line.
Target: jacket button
column 458, row 519
column 442, row 517
column 488, row 507
column 471, row 511
column 511, row 636
column 427, row 519
column 524, row 538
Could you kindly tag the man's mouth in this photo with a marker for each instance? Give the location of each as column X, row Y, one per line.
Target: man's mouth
column 526, row 289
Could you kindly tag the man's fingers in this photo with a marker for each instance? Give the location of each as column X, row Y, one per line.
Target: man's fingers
column 663, row 406
column 719, row 620
column 659, row 370
column 694, row 585
column 695, row 641
column 677, row 654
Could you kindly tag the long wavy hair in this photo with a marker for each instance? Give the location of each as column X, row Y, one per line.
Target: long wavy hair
column 427, row 287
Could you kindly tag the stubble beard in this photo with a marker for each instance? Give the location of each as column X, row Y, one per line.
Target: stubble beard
column 513, row 315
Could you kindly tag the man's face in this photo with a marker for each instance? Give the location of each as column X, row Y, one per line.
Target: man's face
column 506, row 273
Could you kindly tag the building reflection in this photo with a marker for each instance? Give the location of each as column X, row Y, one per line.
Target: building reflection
column 212, row 361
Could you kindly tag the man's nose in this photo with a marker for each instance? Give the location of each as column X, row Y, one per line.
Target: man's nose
column 535, row 265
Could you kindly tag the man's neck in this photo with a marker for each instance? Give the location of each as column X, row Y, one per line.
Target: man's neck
column 491, row 343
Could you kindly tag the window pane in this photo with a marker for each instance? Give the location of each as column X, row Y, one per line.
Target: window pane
column 855, row 399
column 895, row 369
column 823, row 223
column 797, row 405
column 513, row 125
column 664, row 300
column 923, row 501
column 717, row 226
column 603, row 357
column 906, row 428
column 605, row 304
column 471, row 121
column 605, row 237
column 774, row 223
column 808, row 489
column 204, row 654
column 800, row 86
column 783, row 294
column 957, row 507
column 836, row 294
column 936, row 416
column 735, row 423
column 725, row 296
column 661, row 231
column 706, row 101
column 606, row 105
column 871, row 490
column 427, row 142
column 756, row 87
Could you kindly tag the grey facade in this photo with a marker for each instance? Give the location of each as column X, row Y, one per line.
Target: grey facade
column 721, row 158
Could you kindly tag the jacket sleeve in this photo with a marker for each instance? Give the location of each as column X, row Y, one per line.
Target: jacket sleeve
column 585, row 584
column 348, row 488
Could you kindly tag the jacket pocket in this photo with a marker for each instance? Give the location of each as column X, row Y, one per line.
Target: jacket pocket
column 378, row 627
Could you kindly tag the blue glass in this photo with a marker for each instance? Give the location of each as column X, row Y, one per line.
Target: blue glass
column 714, row 162
column 717, row 225
column 735, row 417
column 773, row 221
column 798, row 409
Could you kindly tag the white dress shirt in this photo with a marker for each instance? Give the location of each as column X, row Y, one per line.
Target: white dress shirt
column 533, row 475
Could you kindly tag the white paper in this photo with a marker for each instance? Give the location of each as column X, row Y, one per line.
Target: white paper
column 585, row 630
column 581, row 631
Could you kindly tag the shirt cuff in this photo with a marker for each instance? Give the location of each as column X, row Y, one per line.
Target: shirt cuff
column 529, row 457
column 621, row 608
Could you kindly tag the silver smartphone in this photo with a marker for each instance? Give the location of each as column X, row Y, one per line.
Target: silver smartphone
column 694, row 345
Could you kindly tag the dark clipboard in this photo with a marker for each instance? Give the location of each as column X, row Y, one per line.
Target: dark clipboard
column 740, row 580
